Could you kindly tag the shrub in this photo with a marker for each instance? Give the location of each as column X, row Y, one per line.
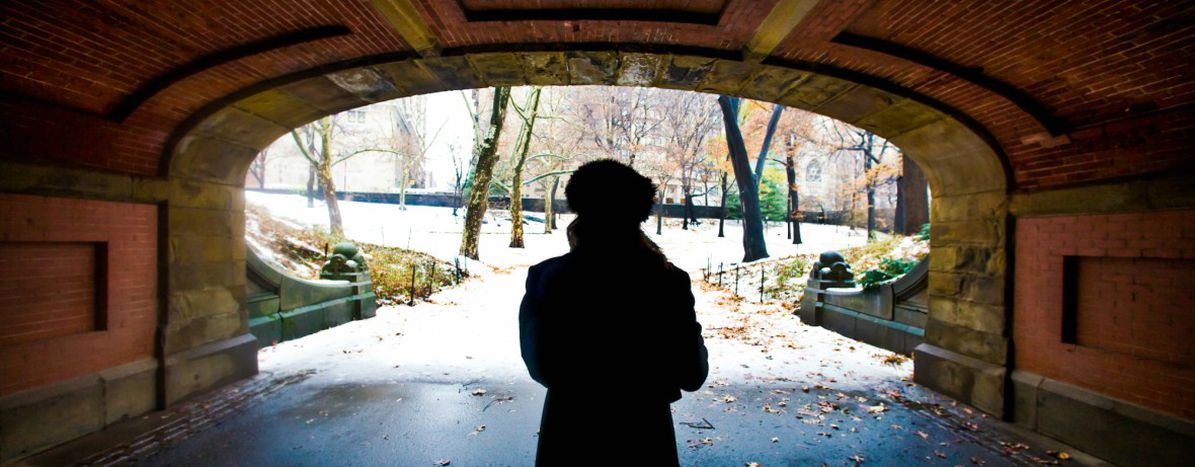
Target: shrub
column 889, row 269
column 303, row 251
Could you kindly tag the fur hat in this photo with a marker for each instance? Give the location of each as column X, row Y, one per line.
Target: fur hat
column 610, row 191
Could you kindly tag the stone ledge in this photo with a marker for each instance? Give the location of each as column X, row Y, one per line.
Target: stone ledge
column 967, row 379
column 40, row 418
column 210, row 366
column 1167, row 191
column 1121, row 432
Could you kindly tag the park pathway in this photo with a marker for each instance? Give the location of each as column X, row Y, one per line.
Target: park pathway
column 441, row 383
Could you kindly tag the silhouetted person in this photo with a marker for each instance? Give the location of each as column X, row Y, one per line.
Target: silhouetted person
column 609, row 329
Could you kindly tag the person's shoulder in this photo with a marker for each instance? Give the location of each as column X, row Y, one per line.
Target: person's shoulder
column 552, row 265
column 676, row 273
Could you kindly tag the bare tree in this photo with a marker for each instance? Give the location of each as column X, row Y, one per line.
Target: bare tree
column 409, row 140
column 871, row 148
column 690, row 119
column 528, row 115
column 314, row 141
column 562, row 140
column 459, row 168
column 258, row 168
column 754, row 246
column 485, row 152
column 797, row 133
column 620, row 120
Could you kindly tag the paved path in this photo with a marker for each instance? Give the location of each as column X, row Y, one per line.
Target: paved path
column 443, row 382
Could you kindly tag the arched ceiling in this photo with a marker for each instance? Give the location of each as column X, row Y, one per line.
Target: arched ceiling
column 1069, row 91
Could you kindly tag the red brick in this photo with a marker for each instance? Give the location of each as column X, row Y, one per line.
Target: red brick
column 49, row 333
column 1135, row 322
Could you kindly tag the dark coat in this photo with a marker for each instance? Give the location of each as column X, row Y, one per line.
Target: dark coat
column 614, row 338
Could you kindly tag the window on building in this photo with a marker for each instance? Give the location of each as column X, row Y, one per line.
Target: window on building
column 813, row 172
column 355, row 116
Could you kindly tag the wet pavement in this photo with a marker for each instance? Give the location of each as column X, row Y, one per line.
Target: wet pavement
column 421, row 423
column 442, row 383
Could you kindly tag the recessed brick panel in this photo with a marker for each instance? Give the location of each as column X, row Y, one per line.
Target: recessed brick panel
column 1140, row 307
column 1132, row 279
column 84, row 274
column 49, row 290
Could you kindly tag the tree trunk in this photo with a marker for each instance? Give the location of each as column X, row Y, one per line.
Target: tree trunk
column 258, row 169
column 402, row 190
column 722, row 212
column 516, row 181
column 788, row 222
column 753, row 238
column 871, row 198
column 660, row 213
column 548, row 214
column 310, row 185
column 487, row 155
column 912, row 199
column 549, row 209
column 688, row 200
column 335, row 223
column 790, row 172
column 777, row 110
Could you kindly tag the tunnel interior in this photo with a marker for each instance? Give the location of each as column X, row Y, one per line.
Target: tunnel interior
column 1051, row 161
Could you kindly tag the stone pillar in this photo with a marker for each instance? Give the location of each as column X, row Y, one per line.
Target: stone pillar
column 965, row 353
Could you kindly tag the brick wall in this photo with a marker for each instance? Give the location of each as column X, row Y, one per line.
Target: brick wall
column 1115, row 73
column 49, row 290
column 1135, row 306
column 86, row 273
column 1107, row 302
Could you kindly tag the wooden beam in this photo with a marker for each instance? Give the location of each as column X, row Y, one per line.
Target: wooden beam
column 405, row 19
column 785, row 16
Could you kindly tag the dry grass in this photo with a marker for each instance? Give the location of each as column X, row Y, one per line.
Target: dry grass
column 399, row 275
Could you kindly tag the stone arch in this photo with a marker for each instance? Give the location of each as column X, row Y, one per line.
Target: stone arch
column 966, row 349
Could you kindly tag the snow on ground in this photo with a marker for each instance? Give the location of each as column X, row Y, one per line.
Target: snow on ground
column 435, row 231
column 443, row 381
column 473, row 328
